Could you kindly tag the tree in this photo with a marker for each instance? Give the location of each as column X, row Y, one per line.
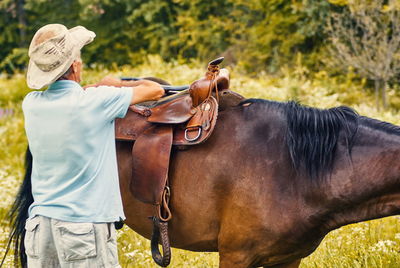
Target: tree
column 366, row 36
column 12, row 33
column 255, row 34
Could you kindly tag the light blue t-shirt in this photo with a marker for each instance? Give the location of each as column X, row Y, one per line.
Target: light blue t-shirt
column 71, row 136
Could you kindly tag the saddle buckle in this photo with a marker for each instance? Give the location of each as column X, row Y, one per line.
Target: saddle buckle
column 195, row 138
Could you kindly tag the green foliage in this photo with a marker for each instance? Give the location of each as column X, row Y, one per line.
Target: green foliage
column 9, row 29
column 133, row 29
column 15, row 60
column 339, row 2
column 258, row 35
column 281, row 29
column 204, row 27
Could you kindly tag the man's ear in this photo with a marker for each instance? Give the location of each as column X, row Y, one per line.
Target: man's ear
column 75, row 66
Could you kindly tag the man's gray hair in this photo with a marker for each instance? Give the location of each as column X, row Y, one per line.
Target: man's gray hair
column 69, row 71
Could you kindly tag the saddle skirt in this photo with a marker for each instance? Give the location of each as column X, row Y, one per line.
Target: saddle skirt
column 178, row 114
column 172, row 123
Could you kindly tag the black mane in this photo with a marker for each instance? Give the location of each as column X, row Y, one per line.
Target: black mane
column 381, row 125
column 312, row 134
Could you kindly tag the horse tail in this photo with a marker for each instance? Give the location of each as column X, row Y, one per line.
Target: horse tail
column 19, row 214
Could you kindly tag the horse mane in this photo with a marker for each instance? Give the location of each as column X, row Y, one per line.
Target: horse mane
column 312, row 134
column 381, row 125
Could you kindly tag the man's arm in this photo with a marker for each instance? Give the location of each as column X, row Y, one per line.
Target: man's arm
column 142, row 90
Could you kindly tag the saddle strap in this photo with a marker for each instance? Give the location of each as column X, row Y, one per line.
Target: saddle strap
column 163, row 210
column 212, row 73
column 160, row 228
column 200, row 126
column 151, row 154
column 201, row 121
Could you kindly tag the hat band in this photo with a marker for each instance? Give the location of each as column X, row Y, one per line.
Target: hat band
column 50, row 67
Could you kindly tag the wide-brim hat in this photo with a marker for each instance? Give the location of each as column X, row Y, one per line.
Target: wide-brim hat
column 52, row 51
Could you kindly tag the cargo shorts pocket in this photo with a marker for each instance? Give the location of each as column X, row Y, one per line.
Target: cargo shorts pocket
column 77, row 241
column 31, row 241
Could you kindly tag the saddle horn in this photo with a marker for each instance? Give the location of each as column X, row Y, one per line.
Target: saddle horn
column 217, row 61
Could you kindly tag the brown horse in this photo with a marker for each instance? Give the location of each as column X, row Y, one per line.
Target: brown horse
column 272, row 181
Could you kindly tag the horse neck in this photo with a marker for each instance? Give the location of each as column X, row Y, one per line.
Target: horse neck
column 364, row 186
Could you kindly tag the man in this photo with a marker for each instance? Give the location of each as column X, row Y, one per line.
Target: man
column 70, row 132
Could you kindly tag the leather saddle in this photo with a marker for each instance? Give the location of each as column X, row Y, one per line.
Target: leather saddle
column 174, row 123
column 187, row 118
column 184, row 119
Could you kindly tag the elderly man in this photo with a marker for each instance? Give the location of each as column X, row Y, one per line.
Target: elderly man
column 70, row 132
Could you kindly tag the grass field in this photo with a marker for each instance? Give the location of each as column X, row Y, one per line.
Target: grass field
column 372, row 244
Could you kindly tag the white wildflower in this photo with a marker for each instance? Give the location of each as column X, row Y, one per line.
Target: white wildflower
column 397, row 236
column 384, row 246
column 9, row 186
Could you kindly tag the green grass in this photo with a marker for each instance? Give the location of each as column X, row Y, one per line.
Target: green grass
column 372, row 244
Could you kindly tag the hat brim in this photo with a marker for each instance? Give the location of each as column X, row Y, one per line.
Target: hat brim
column 81, row 36
column 37, row 79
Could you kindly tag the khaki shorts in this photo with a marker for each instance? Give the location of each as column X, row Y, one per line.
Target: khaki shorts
column 55, row 243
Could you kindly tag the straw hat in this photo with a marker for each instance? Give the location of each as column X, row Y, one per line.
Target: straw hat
column 52, row 51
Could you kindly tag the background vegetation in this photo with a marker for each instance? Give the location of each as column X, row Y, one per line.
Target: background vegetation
column 275, row 49
column 255, row 34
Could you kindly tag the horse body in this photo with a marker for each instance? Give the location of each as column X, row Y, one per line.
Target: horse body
column 268, row 185
column 241, row 194
column 214, row 185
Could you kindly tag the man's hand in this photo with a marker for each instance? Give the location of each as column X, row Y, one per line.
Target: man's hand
column 110, row 81
column 146, row 90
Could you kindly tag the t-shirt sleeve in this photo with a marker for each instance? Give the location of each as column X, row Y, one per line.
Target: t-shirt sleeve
column 113, row 102
column 26, row 102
